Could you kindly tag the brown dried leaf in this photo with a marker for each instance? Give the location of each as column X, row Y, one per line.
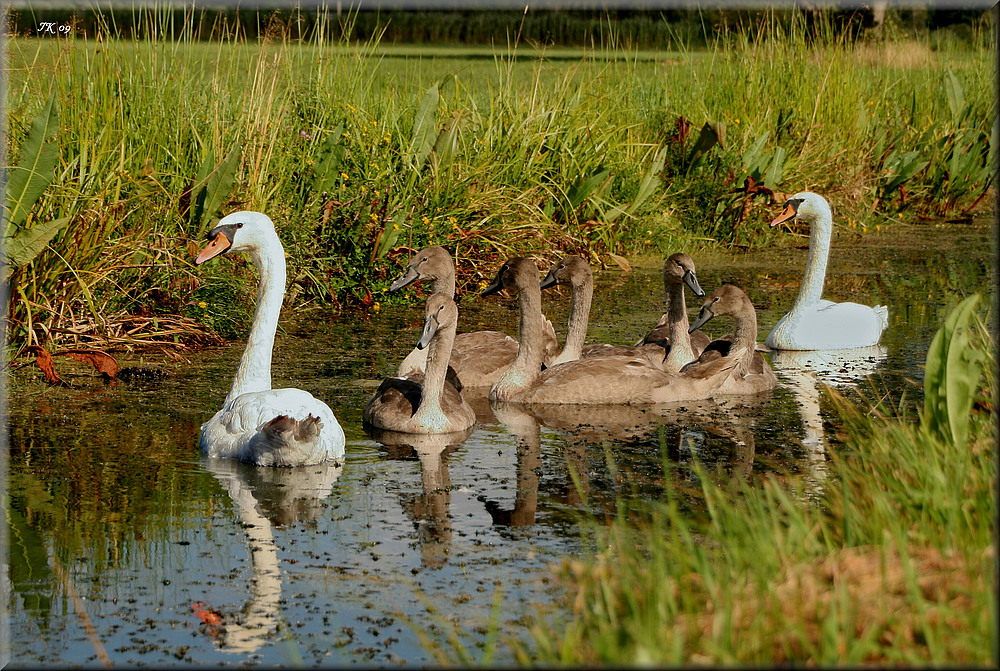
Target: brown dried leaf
column 621, row 261
column 103, row 362
column 44, row 361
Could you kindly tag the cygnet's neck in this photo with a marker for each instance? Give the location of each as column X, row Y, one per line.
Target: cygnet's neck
column 430, row 411
column 681, row 351
column 527, row 365
column 582, row 295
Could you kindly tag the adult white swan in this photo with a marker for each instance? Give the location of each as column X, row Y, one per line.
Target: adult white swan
column 814, row 323
column 257, row 424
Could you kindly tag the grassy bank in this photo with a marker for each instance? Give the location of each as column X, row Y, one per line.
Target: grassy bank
column 360, row 154
column 892, row 562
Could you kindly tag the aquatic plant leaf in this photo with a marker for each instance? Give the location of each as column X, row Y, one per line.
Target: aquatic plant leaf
column 711, row 135
column 424, row 126
column 35, row 171
column 103, row 362
column 447, row 142
column 901, row 167
column 752, row 158
column 220, row 183
column 581, row 191
column 389, row 234
column 650, row 180
column 774, row 172
column 951, row 376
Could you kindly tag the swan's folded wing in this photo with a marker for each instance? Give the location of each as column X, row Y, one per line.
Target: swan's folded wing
column 480, row 357
column 613, row 379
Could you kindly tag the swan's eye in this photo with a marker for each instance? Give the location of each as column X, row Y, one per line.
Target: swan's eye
column 239, row 225
column 423, row 259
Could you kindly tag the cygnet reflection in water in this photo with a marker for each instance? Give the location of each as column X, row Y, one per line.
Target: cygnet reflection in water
column 429, row 510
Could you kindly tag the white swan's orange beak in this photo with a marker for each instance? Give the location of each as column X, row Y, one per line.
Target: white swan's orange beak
column 218, row 245
column 787, row 214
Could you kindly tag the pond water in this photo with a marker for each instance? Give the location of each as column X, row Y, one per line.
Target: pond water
column 127, row 547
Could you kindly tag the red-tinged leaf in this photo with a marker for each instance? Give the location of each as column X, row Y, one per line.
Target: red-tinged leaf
column 44, row 361
column 210, row 617
column 103, row 362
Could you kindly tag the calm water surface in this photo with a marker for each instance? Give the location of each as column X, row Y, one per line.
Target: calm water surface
column 126, row 546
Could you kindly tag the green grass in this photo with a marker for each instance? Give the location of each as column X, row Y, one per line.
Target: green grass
column 894, row 563
column 360, row 151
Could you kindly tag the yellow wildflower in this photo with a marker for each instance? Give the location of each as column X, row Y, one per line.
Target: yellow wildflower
column 203, row 305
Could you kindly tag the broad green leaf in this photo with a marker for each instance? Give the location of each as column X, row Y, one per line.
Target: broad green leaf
column 774, row 173
column 389, row 235
column 219, row 184
column 27, row 243
column 711, row 135
column 424, row 129
column 328, row 162
column 956, row 97
column 27, row 181
column 951, row 376
column 447, row 141
column 580, row 192
column 650, row 181
column 752, row 156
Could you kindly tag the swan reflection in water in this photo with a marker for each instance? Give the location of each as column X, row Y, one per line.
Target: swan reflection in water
column 265, row 497
column 430, row 509
column 804, row 373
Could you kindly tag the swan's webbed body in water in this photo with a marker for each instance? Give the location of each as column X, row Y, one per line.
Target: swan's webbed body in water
column 258, row 424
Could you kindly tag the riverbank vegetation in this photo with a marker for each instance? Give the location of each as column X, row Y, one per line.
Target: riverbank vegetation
column 125, row 150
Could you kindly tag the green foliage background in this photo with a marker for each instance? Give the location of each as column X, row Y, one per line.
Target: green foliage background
column 362, row 150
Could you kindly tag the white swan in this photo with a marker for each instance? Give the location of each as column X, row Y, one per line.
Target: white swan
column 813, row 323
column 257, row 424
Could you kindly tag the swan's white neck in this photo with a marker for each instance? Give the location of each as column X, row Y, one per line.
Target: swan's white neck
column 821, row 229
column 680, row 352
column 579, row 315
column 254, row 371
